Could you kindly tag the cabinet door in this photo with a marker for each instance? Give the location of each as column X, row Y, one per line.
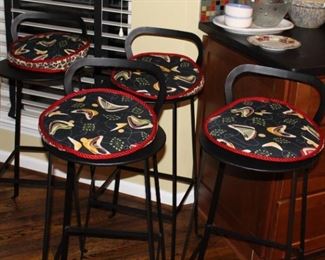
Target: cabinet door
column 256, row 205
column 307, row 99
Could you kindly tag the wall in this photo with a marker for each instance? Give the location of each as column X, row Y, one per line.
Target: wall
column 177, row 14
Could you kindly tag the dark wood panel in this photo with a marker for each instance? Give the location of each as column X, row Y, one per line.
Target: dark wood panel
column 252, row 206
column 315, row 226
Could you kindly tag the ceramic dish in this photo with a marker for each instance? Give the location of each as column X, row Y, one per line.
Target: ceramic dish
column 274, row 42
column 238, row 22
column 253, row 29
column 238, row 10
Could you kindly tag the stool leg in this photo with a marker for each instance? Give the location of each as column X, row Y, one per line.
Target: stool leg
column 90, row 194
column 116, row 192
column 17, row 137
column 212, row 211
column 77, row 204
column 194, row 173
column 303, row 214
column 159, row 214
column 195, row 207
column 12, row 97
column 151, row 246
column 48, row 211
column 64, row 245
column 291, row 215
column 174, row 183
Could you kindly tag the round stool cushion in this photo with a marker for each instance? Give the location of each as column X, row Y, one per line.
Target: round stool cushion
column 183, row 76
column 47, row 52
column 98, row 124
column 265, row 129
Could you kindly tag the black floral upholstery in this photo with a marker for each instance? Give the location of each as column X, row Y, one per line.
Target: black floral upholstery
column 183, row 76
column 266, row 129
column 48, row 52
column 98, row 124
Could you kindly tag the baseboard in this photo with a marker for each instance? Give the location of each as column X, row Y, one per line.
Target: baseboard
column 126, row 187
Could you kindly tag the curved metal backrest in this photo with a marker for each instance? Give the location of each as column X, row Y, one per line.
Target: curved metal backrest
column 162, row 32
column 118, row 63
column 277, row 73
column 70, row 19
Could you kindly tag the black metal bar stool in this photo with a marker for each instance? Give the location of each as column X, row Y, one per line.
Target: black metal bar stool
column 41, row 59
column 105, row 127
column 265, row 136
column 36, row 59
column 184, row 81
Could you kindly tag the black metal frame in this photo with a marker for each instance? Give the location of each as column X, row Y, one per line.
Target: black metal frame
column 141, row 155
column 17, row 79
column 226, row 158
column 173, row 177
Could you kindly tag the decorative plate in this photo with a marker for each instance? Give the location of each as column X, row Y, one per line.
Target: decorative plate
column 253, row 29
column 274, row 42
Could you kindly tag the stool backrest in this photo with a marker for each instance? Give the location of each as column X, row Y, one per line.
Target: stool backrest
column 162, row 32
column 115, row 64
column 307, row 79
column 69, row 20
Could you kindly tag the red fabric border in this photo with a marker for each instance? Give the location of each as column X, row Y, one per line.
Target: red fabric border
column 256, row 156
column 48, row 139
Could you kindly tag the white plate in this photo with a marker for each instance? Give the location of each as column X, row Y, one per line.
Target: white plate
column 253, row 29
column 274, row 42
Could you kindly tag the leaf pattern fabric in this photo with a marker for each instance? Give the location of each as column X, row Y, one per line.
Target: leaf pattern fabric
column 183, row 76
column 47, row 52
column 98, row 124
column 266, row 129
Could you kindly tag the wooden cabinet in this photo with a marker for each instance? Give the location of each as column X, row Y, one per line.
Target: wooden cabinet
column 257, row 203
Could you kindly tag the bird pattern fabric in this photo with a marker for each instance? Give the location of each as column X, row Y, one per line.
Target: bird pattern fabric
column 266, row 129
column 183, row 76
column 98, row 124
column 47, row 52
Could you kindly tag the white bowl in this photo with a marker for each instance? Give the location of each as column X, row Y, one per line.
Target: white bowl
column 238, row 10
column 307, row 14
column 238, row 22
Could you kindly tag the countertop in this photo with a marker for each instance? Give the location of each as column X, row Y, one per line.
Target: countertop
column 309, row 58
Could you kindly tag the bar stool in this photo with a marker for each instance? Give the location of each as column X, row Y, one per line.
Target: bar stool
column 266, row 136
column 105, row 127
column 184, row 81
column 38, row 58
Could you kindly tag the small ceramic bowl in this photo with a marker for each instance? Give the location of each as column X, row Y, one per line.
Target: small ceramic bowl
column 307, row 13
column 238, row 22
column 238, row 10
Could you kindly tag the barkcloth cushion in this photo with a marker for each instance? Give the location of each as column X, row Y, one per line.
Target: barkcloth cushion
column 266, row 129
column 183, row 76
column 98, row 124
column 47, row 52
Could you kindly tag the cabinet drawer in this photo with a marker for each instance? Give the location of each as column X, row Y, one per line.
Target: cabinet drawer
column 315, row 227
column 316, row 181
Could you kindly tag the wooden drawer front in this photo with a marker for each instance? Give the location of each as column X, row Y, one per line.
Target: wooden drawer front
column 315, row 227
column 316, row 182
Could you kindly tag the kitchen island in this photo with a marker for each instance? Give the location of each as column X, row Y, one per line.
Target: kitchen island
column 259, row 204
